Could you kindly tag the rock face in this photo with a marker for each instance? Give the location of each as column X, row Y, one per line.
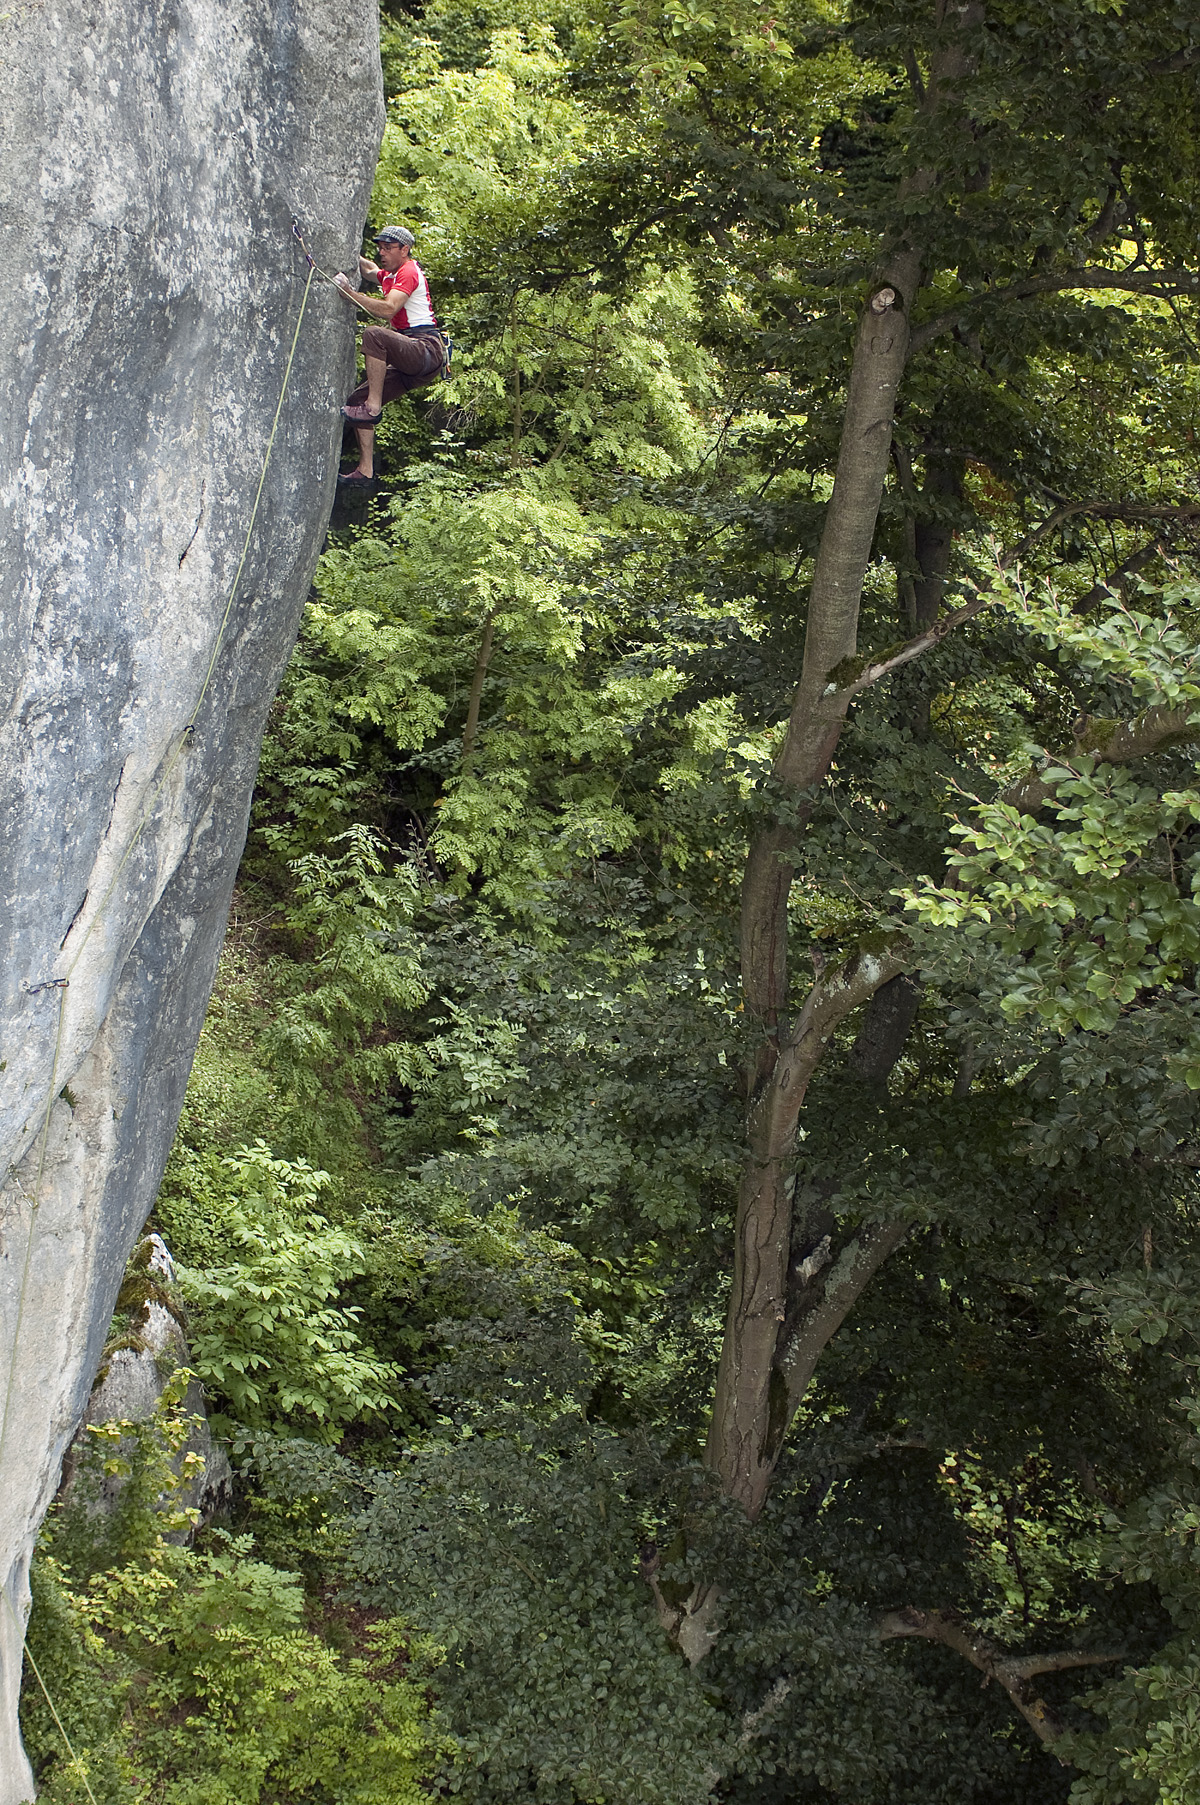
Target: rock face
column 132, row 1380
column 152, row 155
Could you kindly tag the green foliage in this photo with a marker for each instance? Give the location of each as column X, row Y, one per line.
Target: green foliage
column 350, row 913
column 1086, row 904
column 565, row 383
column 1152, row 1743
column 1091, row 905
column 190, row 1676
column 265, row 1335
column 564, row 1685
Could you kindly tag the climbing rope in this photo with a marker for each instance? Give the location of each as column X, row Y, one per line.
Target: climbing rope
column 27, row 1653
column 33, row 1208
column 63, row 984
column 314, row 266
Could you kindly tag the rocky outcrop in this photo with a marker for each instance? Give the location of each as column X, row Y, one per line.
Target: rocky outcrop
column 152, row 156
column 135, row 1372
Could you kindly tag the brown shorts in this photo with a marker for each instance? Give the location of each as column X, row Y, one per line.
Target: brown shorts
column 414, row 360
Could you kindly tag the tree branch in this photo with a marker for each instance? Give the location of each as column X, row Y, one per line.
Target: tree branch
column 1163, row 282
column 831, row 632
column 902, row 654
column 747, row 1427
column 1128, row 567
column 755, row 1723
column 839, row 1290
column 1182, row 1156
column 478, row 675
column 843, row 686
column 831, row 999
column 1180, row 512
column 1176, row 64
column 1116, row 742
column 1012, row 1672
column 689, row 1623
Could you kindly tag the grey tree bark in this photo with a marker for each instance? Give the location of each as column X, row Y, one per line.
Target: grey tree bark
column 770, row 1350
column 152, row 155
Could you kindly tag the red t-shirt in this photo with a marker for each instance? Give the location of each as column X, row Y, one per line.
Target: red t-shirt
column 409, row 280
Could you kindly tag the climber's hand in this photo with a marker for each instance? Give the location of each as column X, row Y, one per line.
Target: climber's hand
column 344, row 283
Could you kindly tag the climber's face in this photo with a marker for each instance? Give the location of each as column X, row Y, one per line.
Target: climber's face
column 392, row 256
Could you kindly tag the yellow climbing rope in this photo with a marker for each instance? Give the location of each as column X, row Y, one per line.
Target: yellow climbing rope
column 62, row 984
column 76, row 1763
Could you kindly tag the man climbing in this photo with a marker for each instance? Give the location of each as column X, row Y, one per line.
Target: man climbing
column 407, row 351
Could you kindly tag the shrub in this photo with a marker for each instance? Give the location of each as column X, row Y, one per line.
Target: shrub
column 190, row 1675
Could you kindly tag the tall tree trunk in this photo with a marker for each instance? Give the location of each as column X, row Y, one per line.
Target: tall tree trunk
column 776, row 1330
column 933, row 547
column 743, row 1444
column 935, row 533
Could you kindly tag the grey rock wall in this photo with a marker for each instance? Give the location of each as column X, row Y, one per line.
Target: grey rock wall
column 151, row 158
column 130, row 1386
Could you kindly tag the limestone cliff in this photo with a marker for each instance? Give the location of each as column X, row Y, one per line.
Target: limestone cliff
column 152, row 155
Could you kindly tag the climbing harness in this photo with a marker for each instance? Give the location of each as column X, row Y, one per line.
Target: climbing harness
column 444, row 339
column 445, row 345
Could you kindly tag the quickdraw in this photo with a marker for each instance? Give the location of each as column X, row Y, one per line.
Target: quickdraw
column 298, row 235
column 311, row 261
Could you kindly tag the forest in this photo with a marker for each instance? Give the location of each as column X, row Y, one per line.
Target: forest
column 686, row 1208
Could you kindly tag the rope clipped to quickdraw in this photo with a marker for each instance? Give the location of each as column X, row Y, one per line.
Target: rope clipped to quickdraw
column 311, row 261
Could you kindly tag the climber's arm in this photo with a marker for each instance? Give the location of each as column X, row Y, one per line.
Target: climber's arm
column 380, row 307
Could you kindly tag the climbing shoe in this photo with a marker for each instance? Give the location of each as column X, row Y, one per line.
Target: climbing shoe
column 361, row 415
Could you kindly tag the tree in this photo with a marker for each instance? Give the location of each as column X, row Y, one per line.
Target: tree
column 956, row 237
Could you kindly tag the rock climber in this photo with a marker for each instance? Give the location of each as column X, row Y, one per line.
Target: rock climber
column 405, row 351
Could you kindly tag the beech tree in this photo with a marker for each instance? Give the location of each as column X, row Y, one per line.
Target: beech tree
column 953, row 147
column 1009, row 163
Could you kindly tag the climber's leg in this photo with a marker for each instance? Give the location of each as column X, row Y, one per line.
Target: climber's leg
column 396, row 362
column 364, row 471
column 366, row 413
column 366, row 452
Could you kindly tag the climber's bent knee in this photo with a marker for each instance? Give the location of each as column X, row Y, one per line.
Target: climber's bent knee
column 412, row 358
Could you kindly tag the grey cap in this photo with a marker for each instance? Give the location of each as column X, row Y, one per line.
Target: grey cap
column 395, row 235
